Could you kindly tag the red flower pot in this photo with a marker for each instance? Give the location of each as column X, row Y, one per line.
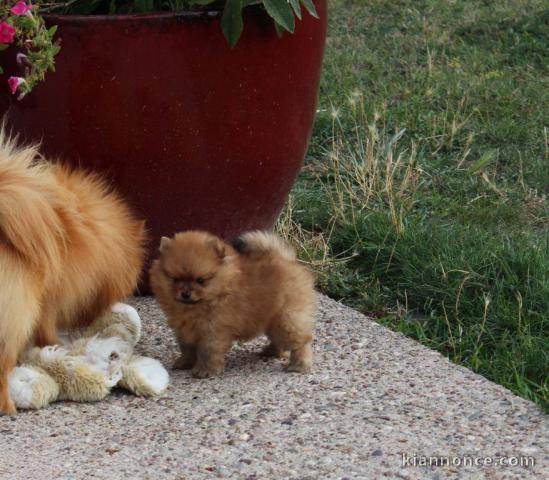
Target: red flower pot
column 194, row 133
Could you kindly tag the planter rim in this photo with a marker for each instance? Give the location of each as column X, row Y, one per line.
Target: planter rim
column 203, row 12
column 117, row 17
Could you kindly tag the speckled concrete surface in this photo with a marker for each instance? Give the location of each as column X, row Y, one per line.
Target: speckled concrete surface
column 374, row 396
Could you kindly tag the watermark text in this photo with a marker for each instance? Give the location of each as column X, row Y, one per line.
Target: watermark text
column 416, row 460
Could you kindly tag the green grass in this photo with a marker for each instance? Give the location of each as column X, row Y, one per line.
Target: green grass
column 423, row 202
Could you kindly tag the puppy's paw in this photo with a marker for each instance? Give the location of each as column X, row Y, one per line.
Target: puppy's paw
column 200, row 372
column 299, row 367
column 272, row 350
column 206, row 372
column 183, row 363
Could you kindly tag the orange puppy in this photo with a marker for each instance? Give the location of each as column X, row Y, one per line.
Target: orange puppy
column 214, row 293
column 69, row 248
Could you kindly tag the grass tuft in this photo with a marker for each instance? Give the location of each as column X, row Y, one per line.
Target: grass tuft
column 424, row 201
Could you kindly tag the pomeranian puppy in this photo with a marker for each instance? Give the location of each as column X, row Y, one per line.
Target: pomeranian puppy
column 69, row 249
column 214, row 293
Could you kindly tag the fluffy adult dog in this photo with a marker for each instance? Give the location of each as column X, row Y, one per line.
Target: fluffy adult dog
column 214, row 293
column 69, row 248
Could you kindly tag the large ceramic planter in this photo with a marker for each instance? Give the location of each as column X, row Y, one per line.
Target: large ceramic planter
column 196, row 135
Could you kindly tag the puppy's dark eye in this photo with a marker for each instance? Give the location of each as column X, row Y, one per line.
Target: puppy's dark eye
column 114, row 356
column 200, row 281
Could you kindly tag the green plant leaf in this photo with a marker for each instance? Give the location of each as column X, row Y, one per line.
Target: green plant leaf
column 52, row 30
column 3, row 46
column 310, row 6
column 279, row 30
column 297, row 8
column 281, row 12
column 231, row 22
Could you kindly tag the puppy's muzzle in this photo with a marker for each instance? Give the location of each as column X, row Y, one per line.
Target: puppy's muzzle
column 187, row 299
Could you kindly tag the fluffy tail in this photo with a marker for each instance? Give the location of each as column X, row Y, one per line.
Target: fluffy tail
column 29, row 221
column 263, row 243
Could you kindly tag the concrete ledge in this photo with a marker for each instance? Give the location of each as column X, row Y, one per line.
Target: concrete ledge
column 374, row 396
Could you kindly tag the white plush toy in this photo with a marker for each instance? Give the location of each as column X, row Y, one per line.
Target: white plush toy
column 87, row 368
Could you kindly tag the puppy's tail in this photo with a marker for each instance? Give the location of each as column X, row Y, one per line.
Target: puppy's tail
column 29, row 221
column 263, row 244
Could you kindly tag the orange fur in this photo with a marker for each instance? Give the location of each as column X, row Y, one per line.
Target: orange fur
column 69, row 248
column 213, row 295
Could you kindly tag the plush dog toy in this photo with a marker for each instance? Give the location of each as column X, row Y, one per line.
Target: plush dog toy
column 88, row 367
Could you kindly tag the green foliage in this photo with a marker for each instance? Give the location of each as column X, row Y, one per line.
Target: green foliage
column 282, row 11
column 425, row 201
column 35, row 42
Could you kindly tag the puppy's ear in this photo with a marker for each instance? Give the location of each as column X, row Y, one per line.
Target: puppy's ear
column 219, row 247
column 165, row 242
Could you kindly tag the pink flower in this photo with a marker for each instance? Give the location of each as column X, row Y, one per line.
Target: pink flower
column 7, row 32
column 20, row 8
column 14, row 83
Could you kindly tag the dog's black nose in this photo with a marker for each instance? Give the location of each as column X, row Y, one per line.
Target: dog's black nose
column 186, row 298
